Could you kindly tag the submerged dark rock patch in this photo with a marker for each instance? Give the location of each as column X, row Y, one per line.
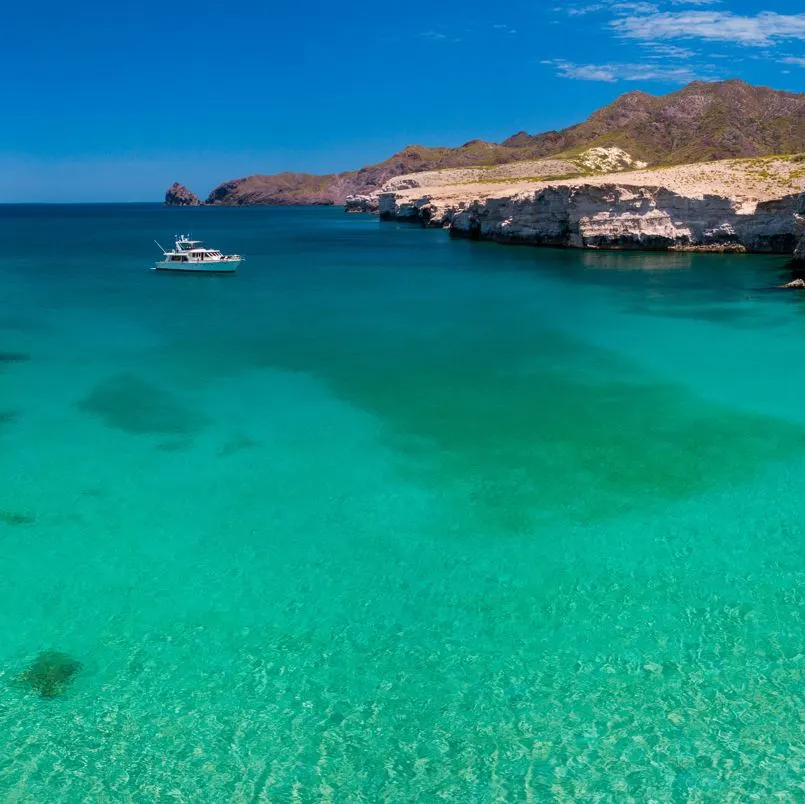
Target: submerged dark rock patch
column 138, row 407
column 14, row 357
column 94, row 491
column 16, row 518
column 529, row 424
column 175, row 445
column 50, row 674
column 236, row 444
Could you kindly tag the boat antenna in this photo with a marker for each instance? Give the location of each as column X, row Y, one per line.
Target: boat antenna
column 160, row 248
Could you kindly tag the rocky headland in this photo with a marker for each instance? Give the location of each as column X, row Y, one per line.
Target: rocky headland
column 699, row 122
column 746, row 205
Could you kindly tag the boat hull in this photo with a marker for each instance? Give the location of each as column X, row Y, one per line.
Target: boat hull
column 208, row 267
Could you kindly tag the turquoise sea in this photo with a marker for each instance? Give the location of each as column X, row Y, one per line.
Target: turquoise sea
column 386, row 517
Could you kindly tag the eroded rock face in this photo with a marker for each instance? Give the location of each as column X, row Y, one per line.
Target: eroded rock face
column 179, row 196
column 612, row 216
column 361, row 203
column 423, row 210
column 630, row 217
column 799, row 225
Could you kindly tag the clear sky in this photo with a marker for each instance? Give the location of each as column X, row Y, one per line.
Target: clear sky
column 115, row 100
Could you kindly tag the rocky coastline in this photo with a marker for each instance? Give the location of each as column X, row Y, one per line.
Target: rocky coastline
column 611, row 216
column 625, row 211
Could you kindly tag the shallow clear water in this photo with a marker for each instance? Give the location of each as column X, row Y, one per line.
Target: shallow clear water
column 389, row 517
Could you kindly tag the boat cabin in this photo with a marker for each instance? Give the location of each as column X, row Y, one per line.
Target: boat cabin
column 192, row 251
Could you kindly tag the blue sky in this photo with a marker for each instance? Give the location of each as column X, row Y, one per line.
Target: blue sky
column 113, row 101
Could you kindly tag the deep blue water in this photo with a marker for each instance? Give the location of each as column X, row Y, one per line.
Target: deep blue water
column 386, row 517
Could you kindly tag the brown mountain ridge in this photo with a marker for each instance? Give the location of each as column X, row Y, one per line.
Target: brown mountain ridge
column 701, row 122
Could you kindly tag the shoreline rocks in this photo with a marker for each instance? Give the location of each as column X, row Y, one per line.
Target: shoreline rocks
column 799, row 225
column 612, row 216
column 367, row 204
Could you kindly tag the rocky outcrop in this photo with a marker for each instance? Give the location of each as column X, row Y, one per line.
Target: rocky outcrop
column 179, row 196
column 610, row 216
column 799, row 251
column 424, row 210
column 607, row 160
column 362, row 203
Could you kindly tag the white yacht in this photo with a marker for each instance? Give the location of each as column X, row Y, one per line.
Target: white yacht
column 193, row 255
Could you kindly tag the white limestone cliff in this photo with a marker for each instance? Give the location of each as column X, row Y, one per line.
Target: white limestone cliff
column 629, row 216
column 727, row 206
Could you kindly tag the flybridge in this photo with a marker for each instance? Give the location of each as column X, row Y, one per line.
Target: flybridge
column 184, row 243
